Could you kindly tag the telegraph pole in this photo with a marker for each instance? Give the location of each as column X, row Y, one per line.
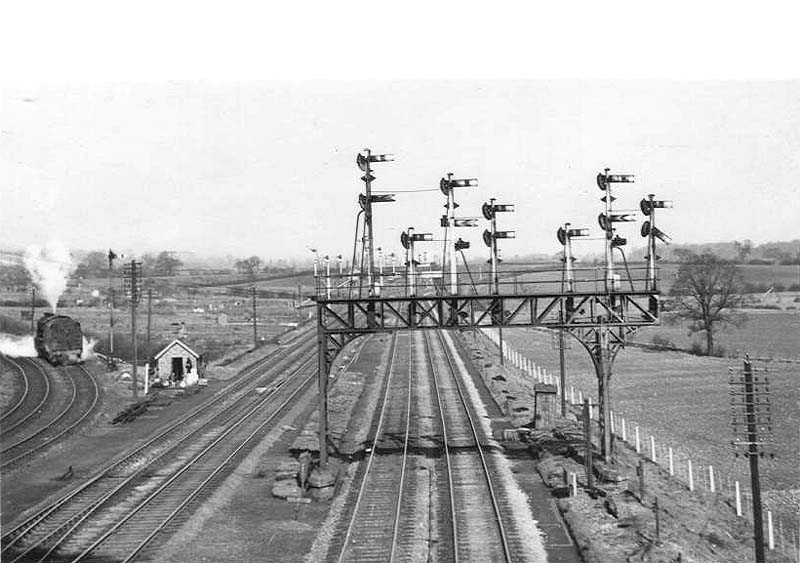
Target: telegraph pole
column 111, row 257
column 133, row 290
column 149, row 316
column 750, row 407
column 33, row 308
column 299, row 303
column 255, row 325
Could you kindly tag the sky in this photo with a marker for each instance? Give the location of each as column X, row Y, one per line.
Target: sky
column 225, row 165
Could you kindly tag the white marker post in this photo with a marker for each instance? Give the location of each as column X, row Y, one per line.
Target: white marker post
column 738, row 500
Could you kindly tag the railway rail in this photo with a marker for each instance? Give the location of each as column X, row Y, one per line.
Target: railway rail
column 428, row 488
column 375, row 515
column 111, row 512
column 34, row 393
column 82, row 396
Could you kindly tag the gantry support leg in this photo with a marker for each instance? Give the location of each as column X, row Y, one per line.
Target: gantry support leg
column 323, row 373
column 602, row 363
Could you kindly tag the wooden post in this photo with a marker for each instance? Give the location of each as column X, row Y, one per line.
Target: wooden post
column 671, row 463
column 711, row 484
column 587, row 434
column 691, row 475
column 652, row 449
column 640, row 474
column 658, row 520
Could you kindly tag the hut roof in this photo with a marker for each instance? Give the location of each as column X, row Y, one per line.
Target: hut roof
column 180, row 343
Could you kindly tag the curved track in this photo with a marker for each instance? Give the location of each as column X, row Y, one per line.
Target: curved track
column 92, row 518
column 53, row 421
column 34, row 393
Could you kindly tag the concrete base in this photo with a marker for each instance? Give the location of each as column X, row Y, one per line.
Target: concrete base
column 321, row 477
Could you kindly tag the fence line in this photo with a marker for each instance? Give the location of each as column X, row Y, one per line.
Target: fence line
column 695, row 476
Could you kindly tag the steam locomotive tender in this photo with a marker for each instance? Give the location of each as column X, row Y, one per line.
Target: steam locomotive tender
column 59, row 339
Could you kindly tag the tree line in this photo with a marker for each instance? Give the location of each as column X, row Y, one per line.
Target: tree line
column 96, row 264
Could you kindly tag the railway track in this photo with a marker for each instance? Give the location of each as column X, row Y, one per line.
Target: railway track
column 123, row 508
column 428, row 489
column 373, row 523
column 34, row 392
column 475, row 517
column 51, row 423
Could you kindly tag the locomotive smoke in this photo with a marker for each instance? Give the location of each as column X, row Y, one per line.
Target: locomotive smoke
column 17, row 346
column 49, row 267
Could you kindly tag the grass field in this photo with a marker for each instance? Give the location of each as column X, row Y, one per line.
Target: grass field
column 683, row 401
column 764, row 334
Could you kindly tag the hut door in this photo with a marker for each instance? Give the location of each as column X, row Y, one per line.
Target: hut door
column 177, row 369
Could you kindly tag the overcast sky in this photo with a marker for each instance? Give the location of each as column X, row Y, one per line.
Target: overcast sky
column 268, row 168
column 233, row 128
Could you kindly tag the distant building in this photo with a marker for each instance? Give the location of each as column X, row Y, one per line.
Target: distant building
column 177, row 364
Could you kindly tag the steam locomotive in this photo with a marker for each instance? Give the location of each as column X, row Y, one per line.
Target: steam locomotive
column 59, row 339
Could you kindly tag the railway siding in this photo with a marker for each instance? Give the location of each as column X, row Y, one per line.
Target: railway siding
column 85, row 512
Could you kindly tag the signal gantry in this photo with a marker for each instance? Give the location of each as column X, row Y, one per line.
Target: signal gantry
column 600, row 314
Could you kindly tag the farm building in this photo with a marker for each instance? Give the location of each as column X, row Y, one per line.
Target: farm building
column 177, row 364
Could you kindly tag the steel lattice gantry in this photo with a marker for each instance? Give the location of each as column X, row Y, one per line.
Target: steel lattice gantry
column 601, row 321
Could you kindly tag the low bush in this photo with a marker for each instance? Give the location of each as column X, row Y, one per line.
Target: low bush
column 662, row 341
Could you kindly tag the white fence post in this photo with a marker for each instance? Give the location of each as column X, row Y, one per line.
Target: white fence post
column 638, row 442
column 574, row 483
column 580, row 397
column 738, row 500
column 571, row 395
column 691, row 474
column 711, row 485
column 770, row 531
column 653, row 449
column 624, row 433
column 671, row 463
column 611, row 418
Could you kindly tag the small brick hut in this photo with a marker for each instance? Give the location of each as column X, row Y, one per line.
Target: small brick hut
column 178, row 364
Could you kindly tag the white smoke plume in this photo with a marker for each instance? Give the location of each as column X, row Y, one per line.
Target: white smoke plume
column 88, row 348
column 49, row 267
column 17, row 346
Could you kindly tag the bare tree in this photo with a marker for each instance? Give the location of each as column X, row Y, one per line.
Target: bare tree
column 743, row 249
column 709, row 289
column 249, row 266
